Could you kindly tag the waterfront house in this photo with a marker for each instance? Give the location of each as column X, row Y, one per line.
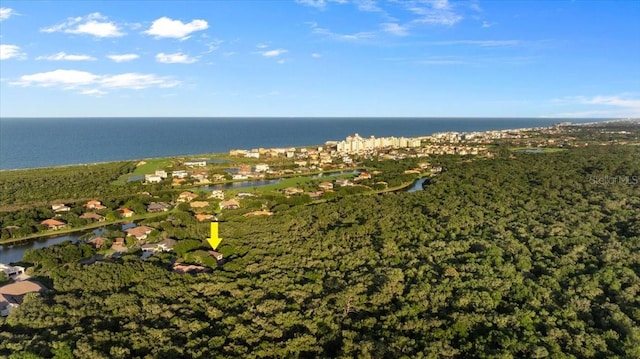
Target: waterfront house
column 11, row 271
column 93, row 216
column 12, row 295
column 156, row 207
column 363, row 176
column 60, row 208
column 53, row 224
column 262, row 167
column 230, row 204
column 164, row 246
column 326, row 186
column 217, row 194
column 186, row 196
column 94, row 204
column 343, row 183
column 97, row 242
column 217, row 255
column 140, row 232
column 126, row 212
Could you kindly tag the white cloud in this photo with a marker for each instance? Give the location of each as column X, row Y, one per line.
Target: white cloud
column 273, row 53
column 177, row 58
column 62, row 56
column 618, row 101
column 620, row 105
column 176, row 29
column 136, row 81
column 262, row 46
column 346, row 37
column 10, row 51
column 61, row 78
column 93, row 92
column 313, row 3
column 6, row 13
column 434, row 12
column 93, row 24
column 486, row 24
column 213, row 45
column 316, row 55
column 395, row 29
column 481, row 43
column 123, row 57
column 93, row 84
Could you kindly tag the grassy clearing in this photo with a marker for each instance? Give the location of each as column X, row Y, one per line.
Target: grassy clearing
column 150, row 166
column 541, row 149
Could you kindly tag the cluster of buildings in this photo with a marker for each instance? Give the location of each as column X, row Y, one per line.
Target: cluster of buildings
column 355, row 144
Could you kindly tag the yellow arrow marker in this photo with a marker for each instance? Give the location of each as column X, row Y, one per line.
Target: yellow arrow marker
column 214, row 241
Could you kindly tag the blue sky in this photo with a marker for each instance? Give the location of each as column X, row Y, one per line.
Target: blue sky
column 431, row 58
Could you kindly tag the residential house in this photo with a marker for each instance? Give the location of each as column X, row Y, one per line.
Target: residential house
column 177, row 181
column 97, row 242
column 53, row 224
column 94, row 204
column 179, row 174
column 292, row 190
column 201, row 217
column 186, row 196
column 183, row 268
column 195, row 163
column 60, row 208
column 244, row 169
column 217, row 255
column 126, row 212
column 217, row 194
column 230, row 204
column 12, row 295
column 242, row 195
column 11, row 271
column 300, row 163
column 343, row 182
column 198, row 204
column 315, row 195
column 118, row 242
column 152, row 178
column 262, row 212
column 156, row 207
column 164, row 246
column 262, row 167
column 162, row 173
column 363, row 176
column 326, row 186
column 217, row 177
column 93, row 216
column 140, row 232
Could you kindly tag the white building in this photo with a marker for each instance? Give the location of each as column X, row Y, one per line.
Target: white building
column 11, row 271
column 180, row 174
column 195, row 163
column 262, row 167
column 152, row 178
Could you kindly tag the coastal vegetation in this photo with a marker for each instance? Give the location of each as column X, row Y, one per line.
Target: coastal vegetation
column 522, row 255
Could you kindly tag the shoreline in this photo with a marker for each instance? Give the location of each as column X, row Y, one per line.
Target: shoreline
column 216, row 154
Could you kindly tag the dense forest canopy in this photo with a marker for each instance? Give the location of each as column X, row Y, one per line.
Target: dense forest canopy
column 523, row 255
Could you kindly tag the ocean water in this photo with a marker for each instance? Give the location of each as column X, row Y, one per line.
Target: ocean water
column 44, row 142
